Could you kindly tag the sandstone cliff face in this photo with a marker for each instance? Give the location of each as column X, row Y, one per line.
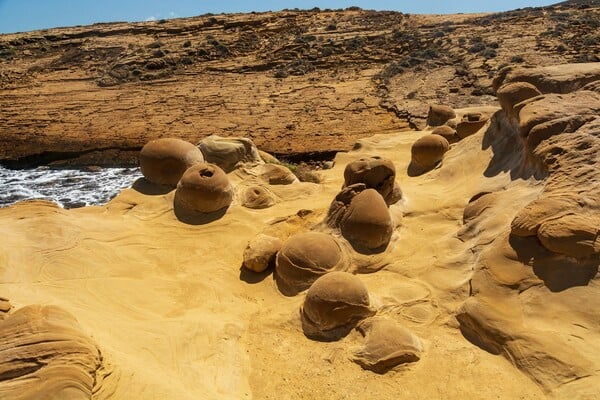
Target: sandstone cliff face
column 295, row 82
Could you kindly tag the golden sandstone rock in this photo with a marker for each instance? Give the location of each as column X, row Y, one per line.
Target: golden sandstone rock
column 203, row 188
column 305, row 257
column 333, row 305
column 45, row 344
column 376, row 173
column 429, row 150
column 163, row 161
column 260, row 252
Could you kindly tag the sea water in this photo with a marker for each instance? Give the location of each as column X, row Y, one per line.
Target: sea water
column 70, row 188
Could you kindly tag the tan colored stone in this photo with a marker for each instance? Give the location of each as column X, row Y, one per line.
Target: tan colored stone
column 376, row 173
column 275, row 174
column 447, row 132
column 257, row 197
column 439, row 115
column 260, row 252
column 163, row 161
column 387, row 345
column 45, row 355
column 305, row 257
column 333, row 305
column 429, row 150
column 203, row 188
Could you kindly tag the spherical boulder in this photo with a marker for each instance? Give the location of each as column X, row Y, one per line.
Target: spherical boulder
column 427, row 151
column 203, row 188
column 303, row 258
column 447, row 132
column 513, row 93
column 367, row 223
column 334, row 304
column 257, row 197
column 375, row 172
column 163, row 161
column 260, row 252
column 439, row 115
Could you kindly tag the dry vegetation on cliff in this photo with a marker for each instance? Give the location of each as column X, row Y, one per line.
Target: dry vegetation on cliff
column 294, row 81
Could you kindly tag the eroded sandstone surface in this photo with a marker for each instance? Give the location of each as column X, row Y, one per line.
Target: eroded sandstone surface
column 303, row 83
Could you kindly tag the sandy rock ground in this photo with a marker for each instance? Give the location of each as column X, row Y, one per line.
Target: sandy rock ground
column 175, row 315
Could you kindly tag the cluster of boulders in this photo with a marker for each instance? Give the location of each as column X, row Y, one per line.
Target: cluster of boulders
column 428, row 151
column 358, row 222
column 199, row 174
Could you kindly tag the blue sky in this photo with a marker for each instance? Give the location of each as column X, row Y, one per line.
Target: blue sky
column 26, row 15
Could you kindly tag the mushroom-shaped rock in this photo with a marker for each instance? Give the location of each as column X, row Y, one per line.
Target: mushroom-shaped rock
column 260, row 252
column 515, row 92
column 275, row 174
column 387, row 345
column 427, row 151
column 367, row 222
column 439, row 115
column 228, row 152
column 257, row 197
column 334, row 304
column 305, row 257
column 470, row 124
column 447, row 132
column 163, row 161
column 44, row 354
column 203, row 188
column 376, row 173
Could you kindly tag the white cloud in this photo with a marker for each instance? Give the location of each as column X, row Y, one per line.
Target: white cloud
column 151, row 18
column 173, row 14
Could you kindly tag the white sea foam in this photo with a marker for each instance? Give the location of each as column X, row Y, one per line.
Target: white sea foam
column 70, row 188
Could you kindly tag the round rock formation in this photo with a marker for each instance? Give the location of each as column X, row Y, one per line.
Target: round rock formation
column 203, row 188
column 427, row 151
column 257, row 197
column 376, row 173
column 163, row 161
column 367, row 223
column 515, row 92
column 260, row 252
column 305, row 257
column 439, row 115
column 334, row 304
column 447, row 132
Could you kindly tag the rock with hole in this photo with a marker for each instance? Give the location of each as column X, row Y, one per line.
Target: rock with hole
column 203, row 188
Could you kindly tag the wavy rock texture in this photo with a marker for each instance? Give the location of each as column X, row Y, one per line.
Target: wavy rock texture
column 44, row 354
column 534, row 290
